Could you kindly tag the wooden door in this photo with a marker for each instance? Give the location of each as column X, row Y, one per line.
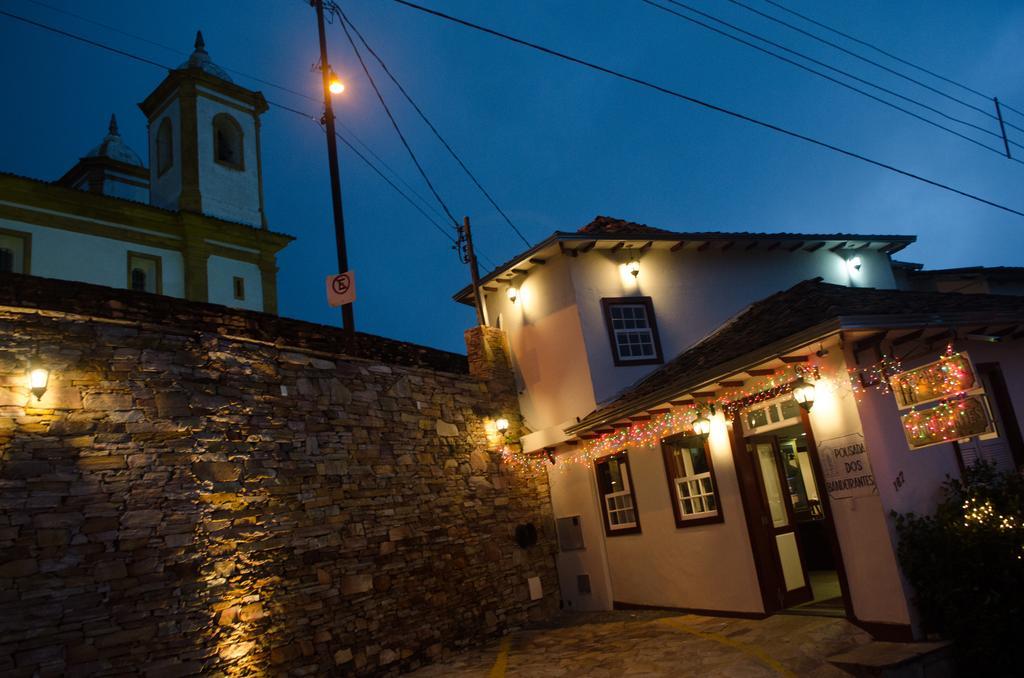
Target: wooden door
column 779, row 521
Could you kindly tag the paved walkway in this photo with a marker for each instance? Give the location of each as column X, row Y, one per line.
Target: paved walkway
column 607, row 644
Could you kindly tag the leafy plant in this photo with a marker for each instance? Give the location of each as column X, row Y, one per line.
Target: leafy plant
column 966, row 564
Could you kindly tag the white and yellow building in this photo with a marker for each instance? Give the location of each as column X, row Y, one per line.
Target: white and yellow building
column 189, row 224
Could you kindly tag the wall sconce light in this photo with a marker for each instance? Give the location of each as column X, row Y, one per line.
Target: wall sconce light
column 501, row 424
column 854, row 264
column 702, row 426
column 633, row 266
column 513, row 293
column 38, row 378
column 803, row 394
column 549, row 452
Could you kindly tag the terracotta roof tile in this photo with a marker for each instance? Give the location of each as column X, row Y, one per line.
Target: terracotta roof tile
column 782, row 315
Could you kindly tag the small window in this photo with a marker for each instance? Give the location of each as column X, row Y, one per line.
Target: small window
column 164, row 147
column 691, row 480
column 227, row 141
column 238, row 284
column 632, row 330
column 618, row 501
column 144, row 274
column 14, row 251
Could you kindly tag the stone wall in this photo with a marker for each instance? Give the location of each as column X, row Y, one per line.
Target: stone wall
column 207, row 490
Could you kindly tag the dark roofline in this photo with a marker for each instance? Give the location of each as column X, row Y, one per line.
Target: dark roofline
column 969, row 270
column 808, row 336
column 463, row 295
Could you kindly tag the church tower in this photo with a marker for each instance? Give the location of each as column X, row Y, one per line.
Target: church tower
column 204, row 142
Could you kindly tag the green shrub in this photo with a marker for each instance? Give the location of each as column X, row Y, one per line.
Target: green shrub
column 966, row 564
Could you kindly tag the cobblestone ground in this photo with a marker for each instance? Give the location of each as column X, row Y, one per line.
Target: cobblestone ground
column 661, row 644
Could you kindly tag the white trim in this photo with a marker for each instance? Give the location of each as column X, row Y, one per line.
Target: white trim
column 40, row 210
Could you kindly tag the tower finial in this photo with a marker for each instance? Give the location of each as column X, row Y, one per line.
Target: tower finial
column 112, row 128
column 200, row 43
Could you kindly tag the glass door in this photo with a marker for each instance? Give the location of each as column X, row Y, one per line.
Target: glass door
column 779, row 520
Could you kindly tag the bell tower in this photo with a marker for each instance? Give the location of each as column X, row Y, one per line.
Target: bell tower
column 204, row 142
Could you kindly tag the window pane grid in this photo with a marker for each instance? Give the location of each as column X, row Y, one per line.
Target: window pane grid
column 634, row 339
column 620, row 510
column 696, row 495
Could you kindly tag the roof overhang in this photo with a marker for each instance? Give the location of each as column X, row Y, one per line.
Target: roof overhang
column 574, row 244
column 876, row 328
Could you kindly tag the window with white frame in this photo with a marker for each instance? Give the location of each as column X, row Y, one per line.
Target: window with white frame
column 618, row 501
column 691, row 480
column 632, row 330
column 144, row 274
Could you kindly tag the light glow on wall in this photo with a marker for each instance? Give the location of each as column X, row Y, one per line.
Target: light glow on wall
column 629, row 281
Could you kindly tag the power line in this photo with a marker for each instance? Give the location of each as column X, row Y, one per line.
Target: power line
column 867, row 60
column 884, row 52
column 423, row 116
column 398, row 130
column 276, row 104
column 828, row 77
column 702, row 103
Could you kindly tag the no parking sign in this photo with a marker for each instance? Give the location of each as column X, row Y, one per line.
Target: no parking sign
column 341, row 288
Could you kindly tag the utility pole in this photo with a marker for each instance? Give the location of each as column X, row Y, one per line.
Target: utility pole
column 470, row 258
column 348, row 320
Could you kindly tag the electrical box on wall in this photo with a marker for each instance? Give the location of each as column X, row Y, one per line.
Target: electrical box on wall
column 570, row 533
column 536, row 591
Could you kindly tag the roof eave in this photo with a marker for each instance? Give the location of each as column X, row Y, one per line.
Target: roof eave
column 809, row 336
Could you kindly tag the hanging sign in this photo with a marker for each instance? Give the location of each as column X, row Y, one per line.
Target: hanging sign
column 846, row 467
column 948, row 420
column 341, row 288
column 949, row 375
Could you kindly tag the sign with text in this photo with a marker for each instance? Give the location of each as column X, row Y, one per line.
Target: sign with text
column 341, row 288
column 949, row 375
column 846, row 467
column 949, row 420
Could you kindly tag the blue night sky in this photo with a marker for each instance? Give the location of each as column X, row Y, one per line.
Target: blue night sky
column 554, row 143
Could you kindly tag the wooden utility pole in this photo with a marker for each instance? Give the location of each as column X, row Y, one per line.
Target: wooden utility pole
column 474, row 272
column 348, row 319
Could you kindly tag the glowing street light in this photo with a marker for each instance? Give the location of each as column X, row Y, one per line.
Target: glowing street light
column 38, row 378
column 334, row 83
column 803, row 394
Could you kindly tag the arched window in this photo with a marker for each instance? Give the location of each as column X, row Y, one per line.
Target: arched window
column 164, row 147
column 227, row 141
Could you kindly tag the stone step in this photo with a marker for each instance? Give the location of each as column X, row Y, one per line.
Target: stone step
column 897, row 660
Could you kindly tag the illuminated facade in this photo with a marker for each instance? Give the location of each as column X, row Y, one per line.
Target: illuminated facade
column 715, row 415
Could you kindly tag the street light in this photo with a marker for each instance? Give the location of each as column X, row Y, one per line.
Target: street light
column 38, row 378
column 335, row 85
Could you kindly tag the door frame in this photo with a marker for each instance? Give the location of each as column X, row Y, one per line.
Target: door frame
column 787, row 598
column 762, row 541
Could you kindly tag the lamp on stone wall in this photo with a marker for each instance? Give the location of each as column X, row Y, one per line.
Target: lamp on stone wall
column 38, row 378
column 501, row 424
column 803, row 394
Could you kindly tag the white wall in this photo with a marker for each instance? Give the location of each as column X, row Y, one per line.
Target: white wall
column 66, row 255
column 549, row 356
column 573, row 493
column 695, row 292
column 227, row 193
column 165, row 189
column 702, row 567
column 220, row 273
column 121, row 189
column 876, row 588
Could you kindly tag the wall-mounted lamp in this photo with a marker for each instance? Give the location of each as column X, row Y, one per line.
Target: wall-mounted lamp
column 549, row 452
column 513, row 293
column 803, row 394
column 501, row 424
column 702, row 426
column 38, row 378
column 853, row 264
column 633, row 266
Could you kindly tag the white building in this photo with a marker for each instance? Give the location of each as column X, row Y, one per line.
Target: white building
column 192, row 224
column 658, row 372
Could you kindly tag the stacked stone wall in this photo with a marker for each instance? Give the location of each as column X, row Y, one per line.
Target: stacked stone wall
column 210, row 491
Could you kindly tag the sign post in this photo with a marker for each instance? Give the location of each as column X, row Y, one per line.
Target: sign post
column 341, row 289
